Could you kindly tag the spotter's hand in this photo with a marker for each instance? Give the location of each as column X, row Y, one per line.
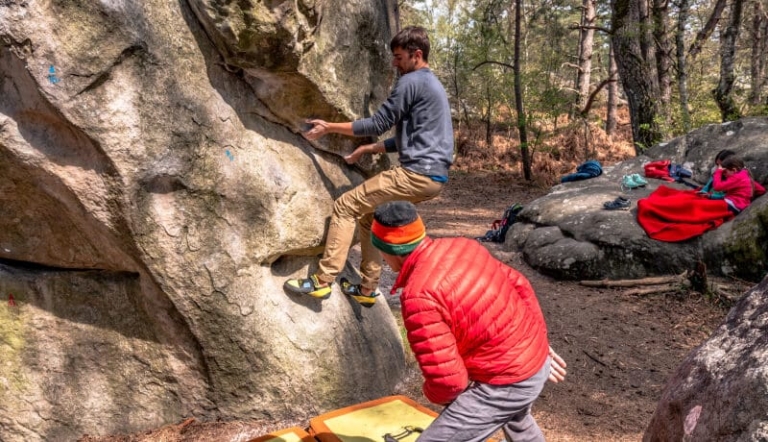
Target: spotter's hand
column 557, row 367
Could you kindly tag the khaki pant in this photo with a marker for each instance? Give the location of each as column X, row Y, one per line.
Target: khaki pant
column 357, row 206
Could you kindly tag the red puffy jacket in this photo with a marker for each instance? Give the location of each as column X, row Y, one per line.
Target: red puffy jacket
column 469, row 317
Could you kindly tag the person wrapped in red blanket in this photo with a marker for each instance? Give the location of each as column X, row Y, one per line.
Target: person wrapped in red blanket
column 758, row 189
column 734, row 184
column 677, row 215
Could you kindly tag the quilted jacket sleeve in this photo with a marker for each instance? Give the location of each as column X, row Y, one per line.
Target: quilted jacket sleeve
column 434, row 345
column 524, row 289
column 759, row 189
column 736, row 181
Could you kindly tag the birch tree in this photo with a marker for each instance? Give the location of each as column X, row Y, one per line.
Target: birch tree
column 585, row 50
column 660, row 11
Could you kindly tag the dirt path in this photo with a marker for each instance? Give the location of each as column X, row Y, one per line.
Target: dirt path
column 620, row 349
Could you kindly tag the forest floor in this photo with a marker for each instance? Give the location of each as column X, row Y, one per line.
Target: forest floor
column 620, row 348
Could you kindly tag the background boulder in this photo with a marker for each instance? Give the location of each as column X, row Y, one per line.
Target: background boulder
column 569, row 235
column 718, row 393
column 155, row 196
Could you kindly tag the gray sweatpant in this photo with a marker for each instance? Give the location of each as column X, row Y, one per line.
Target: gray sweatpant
column 482, row 409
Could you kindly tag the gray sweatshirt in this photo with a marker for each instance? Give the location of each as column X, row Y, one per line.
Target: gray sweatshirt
column 418, row 108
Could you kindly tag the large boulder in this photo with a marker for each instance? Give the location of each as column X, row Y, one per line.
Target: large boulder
column 155, row 196
column 569, row 235
column 719, row 392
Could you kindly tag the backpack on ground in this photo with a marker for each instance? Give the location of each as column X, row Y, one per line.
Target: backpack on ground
column 678, row 172
column 658, row 170
column 500, row 226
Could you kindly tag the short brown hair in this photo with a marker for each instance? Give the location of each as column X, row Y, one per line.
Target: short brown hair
column 411, row 39
column 723, row 154
column 733, row 163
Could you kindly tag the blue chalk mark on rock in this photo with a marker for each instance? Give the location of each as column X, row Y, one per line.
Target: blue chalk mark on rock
column 230, row 156
column 52, row 75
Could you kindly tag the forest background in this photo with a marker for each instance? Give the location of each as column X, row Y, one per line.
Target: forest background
column 537, row 86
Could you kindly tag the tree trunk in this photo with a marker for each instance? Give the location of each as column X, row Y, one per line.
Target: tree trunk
column 644, row 31
column 489, row 118
column 764, row 54
column 663, row 64
column 394, row 6
column 637, row 69
column 613, row 95
column 589, row 153
column 519, row 95
column 461, row 107
column 586, row 44
column 757, row 66
column 682, row 69
column 723, row 97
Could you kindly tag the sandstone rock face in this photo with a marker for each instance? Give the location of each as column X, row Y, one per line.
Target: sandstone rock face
column 303, row 59
column 567, row 233
column 719, row 392
column 155, row 195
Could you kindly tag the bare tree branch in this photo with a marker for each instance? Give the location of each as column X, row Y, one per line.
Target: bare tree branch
column 594, row 93
column 706, row 31
column 652, row 280
column 596, row 28
column 508, row 66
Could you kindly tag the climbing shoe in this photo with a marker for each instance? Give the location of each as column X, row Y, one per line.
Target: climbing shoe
column 619, row 203
column 310, row 286
column 356, row 292
column 640, row 181
column 633, row 181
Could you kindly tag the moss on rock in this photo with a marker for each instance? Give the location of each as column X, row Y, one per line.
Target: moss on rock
column 12, row 344
column 747, row 245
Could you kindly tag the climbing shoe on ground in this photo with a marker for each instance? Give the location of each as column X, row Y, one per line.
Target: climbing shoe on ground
column 619, row 203
column 640, row 181
column 310, row 286
column 356, row 292
column 629, row 182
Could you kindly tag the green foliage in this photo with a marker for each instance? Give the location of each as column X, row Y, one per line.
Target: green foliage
column 757, row 111
column 473, row 43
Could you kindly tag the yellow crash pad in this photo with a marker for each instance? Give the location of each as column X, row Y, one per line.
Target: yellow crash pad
column 370, row 421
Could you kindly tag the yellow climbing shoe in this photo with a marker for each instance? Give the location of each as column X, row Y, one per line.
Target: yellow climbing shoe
column 355, row 291
column 310, row 286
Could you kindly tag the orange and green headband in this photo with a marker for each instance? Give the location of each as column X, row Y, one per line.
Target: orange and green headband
column 398, row 240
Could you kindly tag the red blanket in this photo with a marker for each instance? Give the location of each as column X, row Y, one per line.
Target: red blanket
column 676, row 215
